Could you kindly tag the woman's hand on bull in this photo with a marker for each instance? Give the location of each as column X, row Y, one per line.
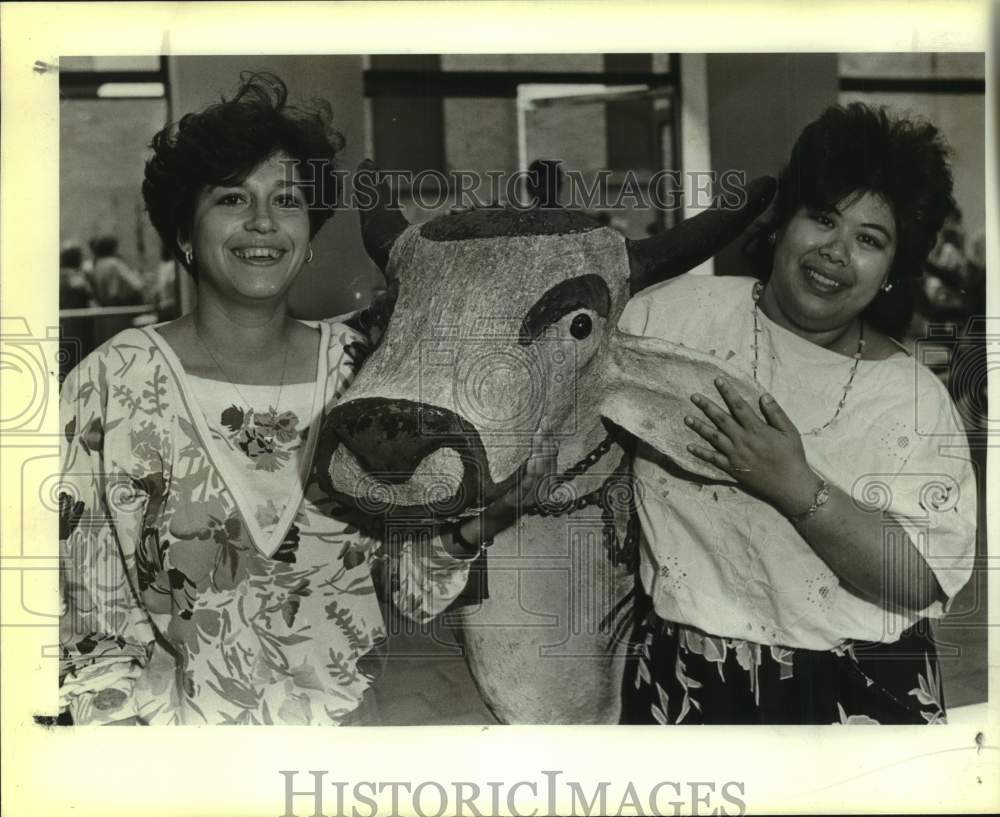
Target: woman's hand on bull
column 763, row 452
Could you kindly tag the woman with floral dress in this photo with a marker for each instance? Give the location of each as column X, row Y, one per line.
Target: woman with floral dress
column 207, row 576
column 795, row 584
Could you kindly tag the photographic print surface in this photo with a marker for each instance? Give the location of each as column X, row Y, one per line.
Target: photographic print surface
column 561, row 157
column 504, row 462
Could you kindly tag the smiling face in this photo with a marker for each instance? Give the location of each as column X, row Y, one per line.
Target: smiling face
column 829, row 264
column 249, row 239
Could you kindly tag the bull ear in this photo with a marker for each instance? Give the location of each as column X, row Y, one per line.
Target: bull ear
column 382, row 222
column 646, row 386
column 685, row 246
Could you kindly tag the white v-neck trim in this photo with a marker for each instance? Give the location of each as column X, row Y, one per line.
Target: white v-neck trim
column 264, row 543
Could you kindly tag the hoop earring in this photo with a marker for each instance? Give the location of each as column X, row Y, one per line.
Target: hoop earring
column 188, row 257
column 309, row 256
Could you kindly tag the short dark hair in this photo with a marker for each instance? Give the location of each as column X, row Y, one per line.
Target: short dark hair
column 225, row 142
column 104, row 246
column 860, row 149
column 71, row 256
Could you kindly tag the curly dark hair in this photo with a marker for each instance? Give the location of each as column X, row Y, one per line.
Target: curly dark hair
column 858, row 149
column 224, row 143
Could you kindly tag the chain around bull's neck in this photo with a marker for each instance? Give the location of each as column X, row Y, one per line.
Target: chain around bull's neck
column 565, row 499
column 562, row 498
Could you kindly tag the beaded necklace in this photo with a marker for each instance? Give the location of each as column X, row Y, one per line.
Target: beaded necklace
column 758, row 288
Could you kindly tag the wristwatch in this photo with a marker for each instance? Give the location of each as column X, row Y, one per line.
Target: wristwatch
column 819, row 499
column 474, row 550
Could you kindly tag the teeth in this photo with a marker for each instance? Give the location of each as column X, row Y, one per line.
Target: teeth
column 822, row 279
column 257, row 252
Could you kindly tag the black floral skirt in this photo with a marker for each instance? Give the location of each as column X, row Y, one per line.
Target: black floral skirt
column 678, row 674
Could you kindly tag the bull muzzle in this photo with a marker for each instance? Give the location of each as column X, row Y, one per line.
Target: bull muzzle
column 398, row 457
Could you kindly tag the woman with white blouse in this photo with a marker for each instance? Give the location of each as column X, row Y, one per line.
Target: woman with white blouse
column 797, row 587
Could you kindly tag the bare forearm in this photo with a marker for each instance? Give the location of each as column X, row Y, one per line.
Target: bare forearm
column 867, row 549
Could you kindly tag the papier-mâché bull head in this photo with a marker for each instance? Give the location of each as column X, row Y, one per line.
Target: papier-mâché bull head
column 505, row 320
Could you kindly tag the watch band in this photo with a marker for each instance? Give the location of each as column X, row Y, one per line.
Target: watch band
column 456, row 534
column 819, row 500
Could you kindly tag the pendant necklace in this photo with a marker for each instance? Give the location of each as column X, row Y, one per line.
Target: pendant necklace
column 758, row 289
column 269, row 435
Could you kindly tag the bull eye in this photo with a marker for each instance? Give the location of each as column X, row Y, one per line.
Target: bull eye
column 581, row 327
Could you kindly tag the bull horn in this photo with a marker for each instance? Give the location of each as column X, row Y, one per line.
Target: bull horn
column 683, row 247
column 382, row 221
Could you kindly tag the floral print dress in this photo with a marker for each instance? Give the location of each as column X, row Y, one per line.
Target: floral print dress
column 207, row 578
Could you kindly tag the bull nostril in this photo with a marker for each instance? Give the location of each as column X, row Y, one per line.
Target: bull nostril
column 390, row 438
column 392, row 456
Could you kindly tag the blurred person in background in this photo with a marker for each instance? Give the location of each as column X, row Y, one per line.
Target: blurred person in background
column 74, row 288
column 115, row 282
column 950, row 301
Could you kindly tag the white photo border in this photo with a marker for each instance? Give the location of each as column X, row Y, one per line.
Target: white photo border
column 215, row 771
